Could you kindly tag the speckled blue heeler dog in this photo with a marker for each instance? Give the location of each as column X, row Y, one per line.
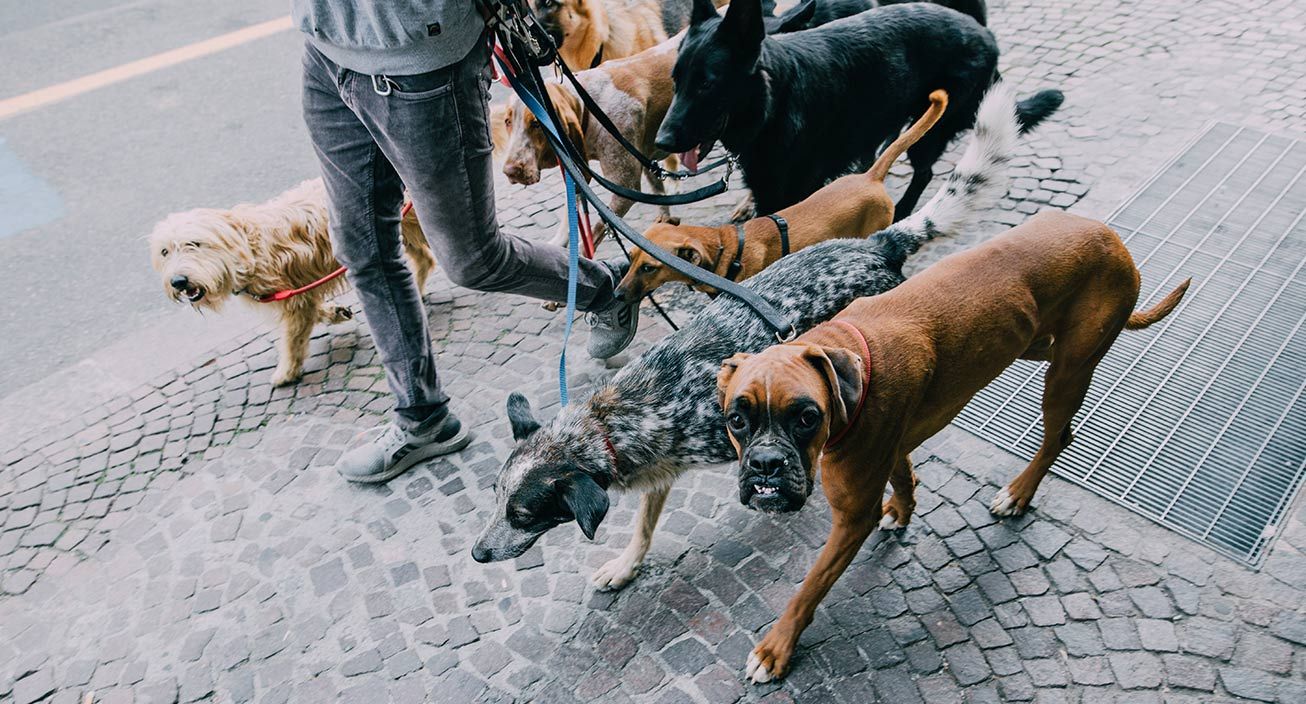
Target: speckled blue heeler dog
column 659, row 415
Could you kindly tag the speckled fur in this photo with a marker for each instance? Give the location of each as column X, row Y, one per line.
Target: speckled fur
column 661, row 411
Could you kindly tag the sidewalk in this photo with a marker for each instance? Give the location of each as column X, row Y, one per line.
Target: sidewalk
column 185, row 539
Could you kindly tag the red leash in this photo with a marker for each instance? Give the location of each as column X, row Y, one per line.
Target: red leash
column 866, row 384
column 291, row 293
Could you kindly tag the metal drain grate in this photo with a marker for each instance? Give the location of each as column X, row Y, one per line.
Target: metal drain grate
column 1199, row 422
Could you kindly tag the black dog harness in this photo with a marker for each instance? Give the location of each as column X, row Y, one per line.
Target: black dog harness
column 737, row 264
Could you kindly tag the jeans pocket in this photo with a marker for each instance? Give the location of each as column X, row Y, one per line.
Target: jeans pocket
column 427, row 94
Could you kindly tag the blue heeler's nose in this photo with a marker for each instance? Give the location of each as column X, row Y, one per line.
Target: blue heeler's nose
column 766, row 461
column 179, row 282
column 480, row 554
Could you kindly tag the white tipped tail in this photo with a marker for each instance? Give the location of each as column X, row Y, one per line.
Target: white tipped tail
column 977, row 182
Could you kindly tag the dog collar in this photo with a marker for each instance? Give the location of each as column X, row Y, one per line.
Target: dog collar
column 783, row 226
column 736, row 265
column 866, row 383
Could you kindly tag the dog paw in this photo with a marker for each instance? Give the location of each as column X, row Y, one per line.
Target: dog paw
column 614, row 574
column 340, row 314
column 552, row 306
column 668, row 219
column 764, row 665
column 285, row 377
column 1006, row 504
column 889, row 522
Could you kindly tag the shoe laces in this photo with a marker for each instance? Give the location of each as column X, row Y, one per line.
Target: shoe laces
column 614, row 317
column 392, row 438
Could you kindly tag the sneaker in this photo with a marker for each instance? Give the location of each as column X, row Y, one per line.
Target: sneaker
column 393, row 450
column 612, row 328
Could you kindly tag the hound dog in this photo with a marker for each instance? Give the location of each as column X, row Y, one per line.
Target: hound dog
column 590, row 32
column 658, row 416
column 851, row 206
column 803, row 108
column 854, row 396
column 633, row 92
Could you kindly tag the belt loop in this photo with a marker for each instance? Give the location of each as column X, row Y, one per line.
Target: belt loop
column 382, row 85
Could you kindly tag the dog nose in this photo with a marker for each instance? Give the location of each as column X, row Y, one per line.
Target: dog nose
column 480, row 554
column 514, row 171
column 767, row 462
column 179, row 282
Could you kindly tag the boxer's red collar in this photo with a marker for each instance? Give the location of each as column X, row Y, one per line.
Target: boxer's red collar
column 866, row 383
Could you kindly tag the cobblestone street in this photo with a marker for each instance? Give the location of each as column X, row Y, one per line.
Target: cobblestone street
column 190, row 541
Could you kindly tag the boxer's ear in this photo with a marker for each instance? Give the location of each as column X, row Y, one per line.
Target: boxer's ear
column 520, row 418
column 843, row 373
column 587, row 501
column 728, row 368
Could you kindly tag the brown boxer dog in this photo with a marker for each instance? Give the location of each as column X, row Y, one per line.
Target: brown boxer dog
column 854, row 205
column 855, row 395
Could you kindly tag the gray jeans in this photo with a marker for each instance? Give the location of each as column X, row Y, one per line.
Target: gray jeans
column 430, row 134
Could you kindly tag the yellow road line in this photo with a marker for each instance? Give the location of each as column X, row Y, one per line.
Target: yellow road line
column 69, row 89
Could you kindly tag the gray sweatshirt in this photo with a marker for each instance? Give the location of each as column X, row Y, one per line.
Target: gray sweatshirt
column 390, row 37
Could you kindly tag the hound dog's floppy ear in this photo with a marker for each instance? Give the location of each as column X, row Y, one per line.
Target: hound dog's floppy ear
column 519, row 416
column 743, row 21
column 843, row 373
column 587, row 501
column 703, row 10
column 692, row 252
column 728, row 368
column 798, row 17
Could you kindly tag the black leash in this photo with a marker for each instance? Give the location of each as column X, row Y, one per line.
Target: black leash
column 783, row 226
column 523, row 53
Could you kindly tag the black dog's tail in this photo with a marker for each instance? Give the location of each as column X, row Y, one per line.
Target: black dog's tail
column 1035, row 109
column 977, row 182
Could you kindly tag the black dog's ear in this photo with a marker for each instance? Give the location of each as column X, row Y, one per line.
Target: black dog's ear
column 519, row 416
column 588, row 503
column 798, row 17
column 743, row 21
column 703, row 10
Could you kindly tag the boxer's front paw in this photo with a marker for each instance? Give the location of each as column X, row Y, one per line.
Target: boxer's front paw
column 1008, row 503
column 615, row 573
column 770, row 659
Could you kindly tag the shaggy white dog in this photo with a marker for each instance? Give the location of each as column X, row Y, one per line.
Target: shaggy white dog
column 207, row 255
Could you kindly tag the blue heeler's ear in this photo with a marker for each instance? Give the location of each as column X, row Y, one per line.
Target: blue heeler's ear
column 588, row 503
column 519, row 416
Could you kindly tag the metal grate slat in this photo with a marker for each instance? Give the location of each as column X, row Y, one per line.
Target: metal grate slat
column 1198, row 423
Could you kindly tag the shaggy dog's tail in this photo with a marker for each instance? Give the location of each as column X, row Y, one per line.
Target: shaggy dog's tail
column 1037, row 108
column 938, row 103
column 977, row 182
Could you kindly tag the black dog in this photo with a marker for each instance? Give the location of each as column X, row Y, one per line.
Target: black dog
column 814, row 13
column 800, row 109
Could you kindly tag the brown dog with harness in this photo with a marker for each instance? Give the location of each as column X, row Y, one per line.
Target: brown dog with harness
column 855, row 205
column 855, row 395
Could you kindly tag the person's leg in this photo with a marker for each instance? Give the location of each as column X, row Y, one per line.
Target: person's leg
column 365, row 195
column 435, row 129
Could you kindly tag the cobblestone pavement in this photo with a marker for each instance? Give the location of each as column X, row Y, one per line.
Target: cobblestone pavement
column 189, row 541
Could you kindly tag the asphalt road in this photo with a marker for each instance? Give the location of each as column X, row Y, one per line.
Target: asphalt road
column 83, row 180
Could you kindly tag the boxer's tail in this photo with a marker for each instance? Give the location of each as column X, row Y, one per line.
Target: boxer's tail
column 977, row 182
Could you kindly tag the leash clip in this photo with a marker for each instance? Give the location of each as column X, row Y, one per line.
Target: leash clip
column 789, row 336
column 382, row 85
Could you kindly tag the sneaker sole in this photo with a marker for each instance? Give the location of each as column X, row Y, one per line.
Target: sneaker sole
column 425, row 452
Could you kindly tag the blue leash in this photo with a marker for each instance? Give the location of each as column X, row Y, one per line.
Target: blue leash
column 573, row 231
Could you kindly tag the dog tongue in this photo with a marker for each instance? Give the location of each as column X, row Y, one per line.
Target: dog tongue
column 690, row 160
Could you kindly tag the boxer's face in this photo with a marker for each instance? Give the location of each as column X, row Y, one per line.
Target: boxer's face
column 780, row 406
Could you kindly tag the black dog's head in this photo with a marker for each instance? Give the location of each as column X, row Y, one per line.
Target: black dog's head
column 781, row 406
column 715, row 69
column 549, row 479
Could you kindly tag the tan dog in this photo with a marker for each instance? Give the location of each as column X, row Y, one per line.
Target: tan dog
column 206, row 255
column 634, row 93
column 590, row 32
column 855, row 395
column 855, row 205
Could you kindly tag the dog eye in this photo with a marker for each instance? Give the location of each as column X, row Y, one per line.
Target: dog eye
column 809, row 418
column 647, row 269
column 163, row 252
column 736, row 421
